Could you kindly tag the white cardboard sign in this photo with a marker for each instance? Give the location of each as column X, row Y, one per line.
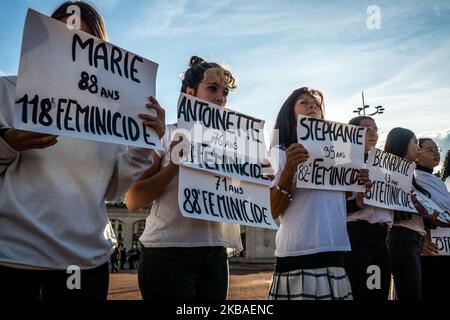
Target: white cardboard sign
column 336, row 153
column 73, row 84
column 205, row 196
column 222, row 141
column 391, row 178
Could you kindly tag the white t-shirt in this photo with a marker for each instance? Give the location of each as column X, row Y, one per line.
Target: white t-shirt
column 315, row 221
column 166, row 227
column 52, row 210
column 447, row 183
column 371, row 214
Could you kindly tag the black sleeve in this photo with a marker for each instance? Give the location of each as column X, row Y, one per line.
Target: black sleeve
column 352, row 206
column 429, row 225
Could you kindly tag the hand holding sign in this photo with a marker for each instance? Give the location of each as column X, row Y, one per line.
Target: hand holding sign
column 336, row 154
column 296, row 154
column 363, row 178
column 430, row 211
column 422, row 211
column 73, row 84
column 21, row 140
column 156, row 123
column 430, row 248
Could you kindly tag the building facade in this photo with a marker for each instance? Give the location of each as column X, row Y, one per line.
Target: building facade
column 259, row 244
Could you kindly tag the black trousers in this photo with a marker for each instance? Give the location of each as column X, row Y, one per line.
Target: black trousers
column 435, row 278
column 368, row 243
column 405, row 247
column 52, row 285
column 198, row 273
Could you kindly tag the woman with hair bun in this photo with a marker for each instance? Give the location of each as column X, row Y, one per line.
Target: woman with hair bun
column 182, row 258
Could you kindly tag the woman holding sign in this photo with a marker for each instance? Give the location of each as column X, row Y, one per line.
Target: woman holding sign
column 55, row 235
column 405, row 238
column 367, row 228
column 435, row 270
column 312, row 237
column 183, row 259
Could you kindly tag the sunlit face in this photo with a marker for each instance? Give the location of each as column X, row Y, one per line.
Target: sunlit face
column 428, row 156
column 372, row 133
column 308, row 105
column 210, row 91
column 413, row 149
column 83, row 26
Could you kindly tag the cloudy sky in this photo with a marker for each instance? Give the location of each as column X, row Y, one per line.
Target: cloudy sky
column 274, row 47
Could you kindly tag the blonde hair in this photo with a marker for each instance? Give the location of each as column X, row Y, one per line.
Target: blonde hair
column 200, row 70
column 221, row 76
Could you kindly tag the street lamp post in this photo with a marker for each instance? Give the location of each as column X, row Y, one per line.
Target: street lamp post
column 362, row 110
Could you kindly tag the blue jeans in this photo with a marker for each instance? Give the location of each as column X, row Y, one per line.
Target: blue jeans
column 405, row 246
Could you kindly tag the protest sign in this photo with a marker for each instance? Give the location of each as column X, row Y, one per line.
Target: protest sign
column 73, row 84
column 336, row 153
column 223, row 199
column 391, row 178
column 431, row 207
column 441, row 237
column 222, row 141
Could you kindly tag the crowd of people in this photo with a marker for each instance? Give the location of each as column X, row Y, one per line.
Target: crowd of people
column 52, row 212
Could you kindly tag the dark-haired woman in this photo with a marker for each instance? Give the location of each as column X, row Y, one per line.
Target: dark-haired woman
column 435, row 275
column 367, row 228
column 182, row 258
column 55, row 235
column 405, row 238
column 312, row 237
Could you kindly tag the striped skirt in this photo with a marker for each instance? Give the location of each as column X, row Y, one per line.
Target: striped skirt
column 311, row 284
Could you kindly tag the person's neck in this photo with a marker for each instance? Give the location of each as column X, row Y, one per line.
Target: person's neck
column 422, row 168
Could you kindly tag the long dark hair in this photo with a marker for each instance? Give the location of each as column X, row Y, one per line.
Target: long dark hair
column 286, row 123
column 397, row 143
column 446, row 166
column 88, row 14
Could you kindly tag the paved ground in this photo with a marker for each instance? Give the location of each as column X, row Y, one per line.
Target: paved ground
column 244, row 285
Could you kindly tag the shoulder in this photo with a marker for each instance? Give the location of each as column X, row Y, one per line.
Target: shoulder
column 8, row 83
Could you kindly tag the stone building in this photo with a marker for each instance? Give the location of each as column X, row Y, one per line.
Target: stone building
column 259, row 244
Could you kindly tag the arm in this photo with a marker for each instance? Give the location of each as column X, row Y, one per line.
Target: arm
column 13, row 141
column 150, row 185
column 153, row 182
column 129, row 166
column 7, row 153
column 279, row 201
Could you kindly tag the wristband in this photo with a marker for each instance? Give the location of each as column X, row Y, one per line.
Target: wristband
column 285, row 192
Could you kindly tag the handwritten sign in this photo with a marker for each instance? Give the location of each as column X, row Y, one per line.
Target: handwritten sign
column 336, row 153
column 73, row 84
column 222, row 141
column 391, row 178
column 216, row 198
column 441, row 237
column 431, row 207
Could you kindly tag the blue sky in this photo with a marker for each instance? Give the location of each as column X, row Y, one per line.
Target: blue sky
column 274, row 47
